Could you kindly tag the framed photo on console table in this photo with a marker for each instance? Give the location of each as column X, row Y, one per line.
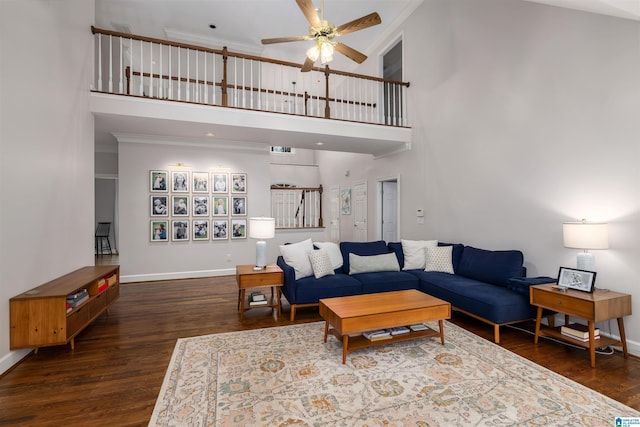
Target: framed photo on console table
column 581, row 280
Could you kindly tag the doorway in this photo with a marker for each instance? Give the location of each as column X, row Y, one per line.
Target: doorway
column 359, row 202
column 388, row 204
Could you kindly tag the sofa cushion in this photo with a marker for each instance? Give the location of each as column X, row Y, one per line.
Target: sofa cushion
column 495, row 303
column 373, row 263
column 320, row 263
column 396, row 248
column 334, row 253
column 361, row 248
column 386, row 281
column 297, row 256
column 456, row 255
column 522, row 284
column 310, row 290
column 439, row 259
column 414, row 252
column 495, row 267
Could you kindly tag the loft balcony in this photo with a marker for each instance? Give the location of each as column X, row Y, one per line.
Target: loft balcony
column 148, row 88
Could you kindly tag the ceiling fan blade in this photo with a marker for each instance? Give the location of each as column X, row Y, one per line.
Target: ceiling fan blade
column 359, row 24
column 308, row 65
column 350, row 52
column 285, row 39
column 309, row 10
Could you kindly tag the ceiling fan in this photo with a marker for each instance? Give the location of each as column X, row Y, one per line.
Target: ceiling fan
column 323, row 33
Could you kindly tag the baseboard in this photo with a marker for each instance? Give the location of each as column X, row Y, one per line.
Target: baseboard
column 11, row 358
column 176, row 275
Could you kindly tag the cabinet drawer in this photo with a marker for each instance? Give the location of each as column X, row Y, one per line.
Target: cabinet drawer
column 563, row 303
column 113, row 292
column 97, row 305
column 77, row 320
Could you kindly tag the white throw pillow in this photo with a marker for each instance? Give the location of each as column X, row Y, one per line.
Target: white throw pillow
column 321, row 263
column 415, row 254
column 297, row 256
column 372, row 263
column 333, row 250
column 440, row 259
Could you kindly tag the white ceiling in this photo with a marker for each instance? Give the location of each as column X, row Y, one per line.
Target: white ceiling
column 241, row 24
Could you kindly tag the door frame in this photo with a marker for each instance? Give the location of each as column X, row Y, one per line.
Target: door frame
column 379, row 205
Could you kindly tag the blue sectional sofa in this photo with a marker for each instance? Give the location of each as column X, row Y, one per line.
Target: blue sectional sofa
column 488, row 285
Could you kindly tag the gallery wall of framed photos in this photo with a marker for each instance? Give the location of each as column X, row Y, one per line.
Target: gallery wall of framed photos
column 197, row 206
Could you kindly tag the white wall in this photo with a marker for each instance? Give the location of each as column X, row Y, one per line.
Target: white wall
column 142, row 260
column 524, row 116
column 46, row 143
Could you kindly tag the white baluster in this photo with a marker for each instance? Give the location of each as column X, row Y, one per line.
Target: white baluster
column 141, row 69
column 100, row 62
column 187, row 88
column 179, row 75
column 120, row 89
column 151, row 70
column 161, row 76
column 170, row 95
column 110, row 64
column 206, row 88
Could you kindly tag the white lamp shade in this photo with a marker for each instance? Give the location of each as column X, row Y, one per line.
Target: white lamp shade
column 262, row 228
column 586, row 235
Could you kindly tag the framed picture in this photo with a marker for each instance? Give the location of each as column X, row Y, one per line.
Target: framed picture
column 238, row 182
column 238, row 228
column 220, row 182
column 200, row 205
column 200, row 229
column 180, row 205
column 180, row 181
column 220, row 206
column 180, row 230
column 238, row 206
column 345, row 201
column 158, row 181
column 220, row 229
column 200, row 182
column 159, row 205
column 581, row 280
column 159, row 231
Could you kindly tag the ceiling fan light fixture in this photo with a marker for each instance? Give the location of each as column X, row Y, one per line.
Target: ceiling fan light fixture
column 326, row 53
column 313, row 53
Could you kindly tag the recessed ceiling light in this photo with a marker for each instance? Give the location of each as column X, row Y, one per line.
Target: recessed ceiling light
column 319, row 143
column 210, row 134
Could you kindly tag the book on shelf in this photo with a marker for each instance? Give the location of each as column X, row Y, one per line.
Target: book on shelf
column 103, row 287
column 75, row 303
column 596, row 337
column 257, row 296
column 379, row 334
column 77, row 295
column 399, row 330
column 418, row 327
column 578, row 330
column 255, row 303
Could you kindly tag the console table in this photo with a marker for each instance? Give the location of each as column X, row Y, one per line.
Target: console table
column 594, row 307
column 39, row 317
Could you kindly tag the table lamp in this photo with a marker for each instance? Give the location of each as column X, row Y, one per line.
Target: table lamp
column 261, row 229
column 586, row 235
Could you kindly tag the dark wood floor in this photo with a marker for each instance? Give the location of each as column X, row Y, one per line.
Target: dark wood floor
column 114, row 375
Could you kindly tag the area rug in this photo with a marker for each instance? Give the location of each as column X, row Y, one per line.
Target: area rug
column 287, row 376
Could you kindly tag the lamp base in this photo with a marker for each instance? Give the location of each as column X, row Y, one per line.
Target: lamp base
column 586, row 261
column 261, row 255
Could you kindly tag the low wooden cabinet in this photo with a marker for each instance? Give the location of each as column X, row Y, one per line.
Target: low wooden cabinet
column 39, row 317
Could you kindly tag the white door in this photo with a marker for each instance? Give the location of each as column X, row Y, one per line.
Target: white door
column 389, row 214
column 334, row 213
column 359, row 208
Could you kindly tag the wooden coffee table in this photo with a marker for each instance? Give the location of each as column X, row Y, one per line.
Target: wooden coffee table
column 352, row 315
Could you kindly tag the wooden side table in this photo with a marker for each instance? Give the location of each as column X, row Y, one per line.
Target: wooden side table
column 593, row 307
column 271, row 276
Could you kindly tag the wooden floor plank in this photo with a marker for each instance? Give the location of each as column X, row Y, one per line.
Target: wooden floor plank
column 114, row 375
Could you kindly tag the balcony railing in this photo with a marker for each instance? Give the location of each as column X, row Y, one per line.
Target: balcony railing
column 296, row 207
column 141, row 66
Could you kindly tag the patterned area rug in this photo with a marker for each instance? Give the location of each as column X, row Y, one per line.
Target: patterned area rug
column 287, row 376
